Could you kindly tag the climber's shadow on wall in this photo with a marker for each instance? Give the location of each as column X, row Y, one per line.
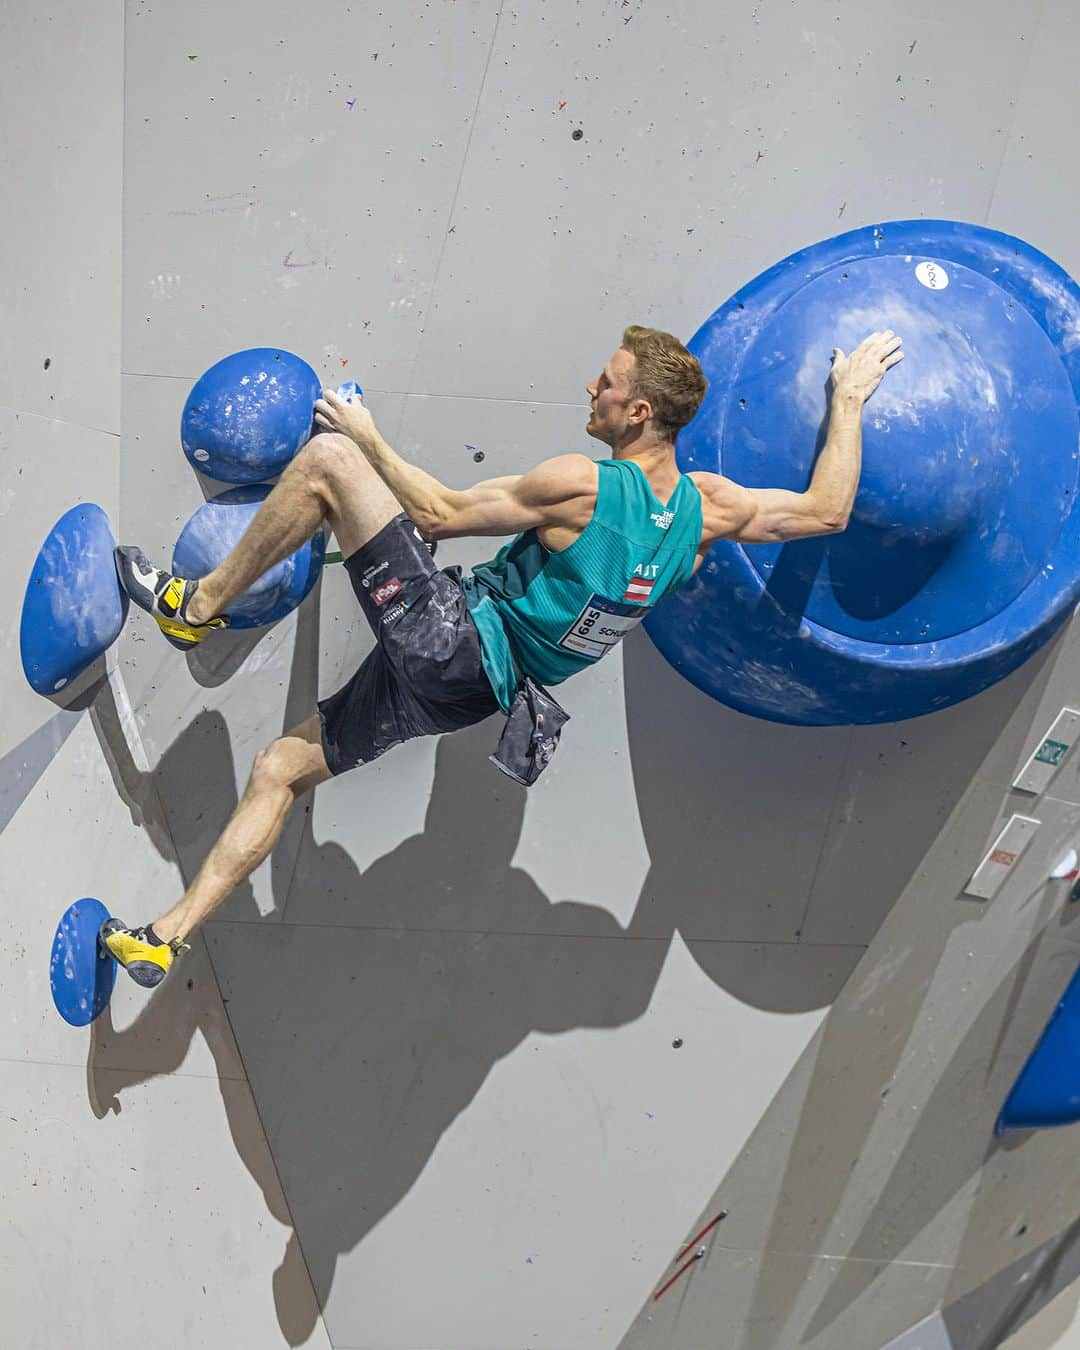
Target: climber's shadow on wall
column 371, row 1019
column 375, row 1023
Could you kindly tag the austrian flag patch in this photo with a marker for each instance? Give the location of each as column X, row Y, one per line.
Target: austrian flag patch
column 638, row 590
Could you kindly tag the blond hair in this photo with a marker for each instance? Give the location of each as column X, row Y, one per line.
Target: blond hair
column 667, row 376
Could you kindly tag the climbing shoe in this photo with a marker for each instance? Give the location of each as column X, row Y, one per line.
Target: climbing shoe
column 144, row 955
column 165, row 598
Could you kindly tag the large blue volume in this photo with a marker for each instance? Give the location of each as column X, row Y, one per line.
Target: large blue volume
column 214, row 531
column 81, row 975
column 73, row 608
column 249, row 415
column 1048, row 1089
column 963, row 554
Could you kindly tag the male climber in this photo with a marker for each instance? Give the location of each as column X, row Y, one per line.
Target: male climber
column 597, row 544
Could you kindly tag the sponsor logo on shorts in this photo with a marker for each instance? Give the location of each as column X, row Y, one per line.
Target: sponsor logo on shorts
column 394, row 612
column 386, row 590
column 370, row 573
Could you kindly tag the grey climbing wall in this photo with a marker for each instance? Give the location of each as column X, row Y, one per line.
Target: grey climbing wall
column 463, row 1067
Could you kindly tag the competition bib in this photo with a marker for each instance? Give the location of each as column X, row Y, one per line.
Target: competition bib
column 601, row 625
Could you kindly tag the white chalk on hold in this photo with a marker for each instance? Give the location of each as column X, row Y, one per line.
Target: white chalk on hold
column 350, row 390
column 1066, row 867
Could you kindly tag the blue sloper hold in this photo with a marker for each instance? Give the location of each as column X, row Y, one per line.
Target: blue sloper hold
column 215, row 529
column 963, row 554
column 80, row 974
column 249, row 414
column 1047, row 1091
column 73, row 609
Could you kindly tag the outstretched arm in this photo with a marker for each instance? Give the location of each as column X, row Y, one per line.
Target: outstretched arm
column 770, row 515
column 559, row 491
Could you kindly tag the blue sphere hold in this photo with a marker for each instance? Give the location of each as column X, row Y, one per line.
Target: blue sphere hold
column 215, row 530
column 249, row 415
column 957, row 562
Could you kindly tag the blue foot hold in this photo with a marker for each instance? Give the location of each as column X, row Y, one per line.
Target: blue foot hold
column 217, row 527
column 80, row 973
column 74, row 608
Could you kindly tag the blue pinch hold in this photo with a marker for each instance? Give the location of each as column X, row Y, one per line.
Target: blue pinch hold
column 81, row 975
column 212, row 533
column 249, row 414
column 73, row 608
column 962, row 555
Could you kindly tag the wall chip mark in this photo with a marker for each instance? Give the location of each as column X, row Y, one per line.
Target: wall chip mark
column 913, row 46
column 843, row 208
column 760, row 156
column 350, row 103
column 562, row 105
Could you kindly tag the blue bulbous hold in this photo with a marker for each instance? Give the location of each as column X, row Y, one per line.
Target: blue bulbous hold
column 73, row 608
column 215, row 530
column 957, row 563
column 249, row 415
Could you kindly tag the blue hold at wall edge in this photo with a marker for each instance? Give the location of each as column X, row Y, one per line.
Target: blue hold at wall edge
column 1047, row 1092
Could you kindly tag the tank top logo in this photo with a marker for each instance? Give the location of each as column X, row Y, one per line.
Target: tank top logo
column 662, row 519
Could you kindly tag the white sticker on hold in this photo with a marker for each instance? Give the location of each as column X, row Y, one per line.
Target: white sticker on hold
column 932, row 275
column 60, row 683
column 201, row 455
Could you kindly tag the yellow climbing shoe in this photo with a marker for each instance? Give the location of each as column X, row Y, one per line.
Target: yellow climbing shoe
column 145, row 957
column 164, row 597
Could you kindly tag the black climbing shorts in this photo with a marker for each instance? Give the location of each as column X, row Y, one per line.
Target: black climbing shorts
column 425, row 675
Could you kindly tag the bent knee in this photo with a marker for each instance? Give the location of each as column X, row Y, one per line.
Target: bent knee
column 277, row 767
column 328, row 456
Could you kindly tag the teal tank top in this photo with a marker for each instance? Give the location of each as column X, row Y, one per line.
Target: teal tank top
column 566, row 610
